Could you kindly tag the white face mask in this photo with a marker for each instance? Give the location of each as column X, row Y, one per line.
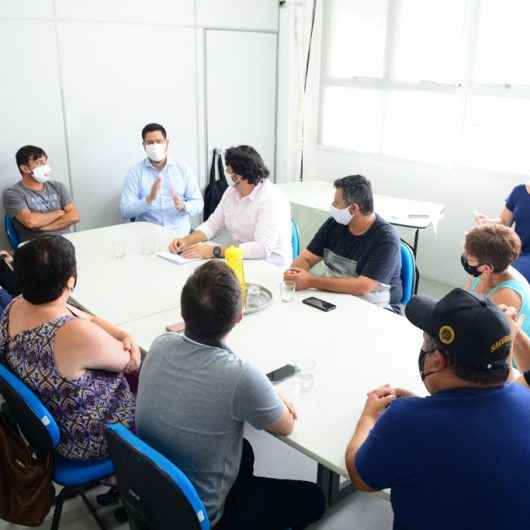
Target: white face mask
column 41, row 173
column 341, row 215
column 156, row 152
column 230, row 179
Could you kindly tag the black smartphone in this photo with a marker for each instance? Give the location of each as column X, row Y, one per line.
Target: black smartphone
column 281, row 373
column 313, row 301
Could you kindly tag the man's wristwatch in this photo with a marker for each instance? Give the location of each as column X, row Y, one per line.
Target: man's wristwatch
column 217, row 251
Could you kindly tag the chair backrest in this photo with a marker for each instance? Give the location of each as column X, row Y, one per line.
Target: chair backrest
column 154, row 492
column 11, row 232
column 408, row 272
column 295, row 238
column 35, row 421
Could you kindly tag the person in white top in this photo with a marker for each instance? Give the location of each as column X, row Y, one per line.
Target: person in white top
column 253, row 210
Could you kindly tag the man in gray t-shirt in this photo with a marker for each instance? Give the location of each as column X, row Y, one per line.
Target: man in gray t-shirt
column 37, row 204
column 194, row 398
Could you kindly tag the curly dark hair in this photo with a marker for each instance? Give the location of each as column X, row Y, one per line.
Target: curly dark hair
column 43, row 267
column 246, row 162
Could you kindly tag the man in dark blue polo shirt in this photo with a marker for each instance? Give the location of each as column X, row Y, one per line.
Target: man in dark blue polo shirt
column 458, row 459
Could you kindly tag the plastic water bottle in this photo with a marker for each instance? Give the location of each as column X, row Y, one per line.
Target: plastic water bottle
column 234, row 259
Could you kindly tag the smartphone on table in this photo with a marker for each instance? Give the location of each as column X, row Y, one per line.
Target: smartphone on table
column 282, row 373
column 318, row 303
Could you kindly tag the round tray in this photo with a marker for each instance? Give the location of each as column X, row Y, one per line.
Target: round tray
column 257, row 302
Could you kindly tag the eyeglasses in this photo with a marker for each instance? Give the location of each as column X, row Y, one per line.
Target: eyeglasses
column 151, row 142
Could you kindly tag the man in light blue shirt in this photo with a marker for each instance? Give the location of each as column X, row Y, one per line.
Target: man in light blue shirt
column 158, row 189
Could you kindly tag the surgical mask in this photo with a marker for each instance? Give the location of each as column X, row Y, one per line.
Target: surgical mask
column 40, row 173
column 156, row 152
column 470, row 269
column 341, row 215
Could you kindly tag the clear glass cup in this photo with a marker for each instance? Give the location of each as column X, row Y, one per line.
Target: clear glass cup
column 119, row 248
column 287, row 290
column 148, row 245
column 253, row 294
column 306, row 373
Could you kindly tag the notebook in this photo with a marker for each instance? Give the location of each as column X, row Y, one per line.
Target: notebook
column 176, row 258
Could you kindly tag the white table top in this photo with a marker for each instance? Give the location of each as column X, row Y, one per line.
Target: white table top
column 318, row 194
column 131, row 287
column 357, row 346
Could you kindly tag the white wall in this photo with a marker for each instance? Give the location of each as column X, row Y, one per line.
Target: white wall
column 462, row 190
column 81, row 79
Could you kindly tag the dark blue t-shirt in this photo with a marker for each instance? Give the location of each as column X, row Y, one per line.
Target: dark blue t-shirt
column 519, row 204
column 457, row 460
column 374, row 254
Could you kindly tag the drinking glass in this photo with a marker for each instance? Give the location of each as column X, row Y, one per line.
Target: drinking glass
column 306, row 373
column 148, row 245
column 287, row 290
column 118, row 248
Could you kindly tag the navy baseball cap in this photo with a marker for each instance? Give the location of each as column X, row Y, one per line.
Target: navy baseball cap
column 470, row 326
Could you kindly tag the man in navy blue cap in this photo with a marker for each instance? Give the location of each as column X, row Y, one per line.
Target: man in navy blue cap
column 458, row 459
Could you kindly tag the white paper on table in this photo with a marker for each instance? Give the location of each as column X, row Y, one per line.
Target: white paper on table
column 176, row 258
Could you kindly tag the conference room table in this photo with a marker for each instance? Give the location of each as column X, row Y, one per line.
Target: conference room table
column 356, row 347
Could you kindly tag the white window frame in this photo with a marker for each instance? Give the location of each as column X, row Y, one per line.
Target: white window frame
column 464, row 88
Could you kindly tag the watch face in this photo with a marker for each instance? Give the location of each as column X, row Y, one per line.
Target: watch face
column 216, row 252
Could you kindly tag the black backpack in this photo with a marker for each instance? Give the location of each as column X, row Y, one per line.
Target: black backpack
column 215, row 189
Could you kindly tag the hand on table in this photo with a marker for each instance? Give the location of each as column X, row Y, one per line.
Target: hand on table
column 198, row 250
column 377, row 401
column 301, row 278
column 130, row 345
column 290, row 406
column 178, row 245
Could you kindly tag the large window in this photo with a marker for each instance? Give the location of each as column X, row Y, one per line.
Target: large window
column 437, row 81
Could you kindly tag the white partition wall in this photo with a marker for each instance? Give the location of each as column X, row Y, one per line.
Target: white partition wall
column 81, row 79
column 248, row 14
column 241, row 91
column 176, row 12
column 117, row 78
column 30, row 102
column 27, row 8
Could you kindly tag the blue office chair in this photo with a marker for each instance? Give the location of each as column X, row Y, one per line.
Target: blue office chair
column 42, row 433
column 408, row 272
column 154, row 492
column 11, row 232
column 295, row 239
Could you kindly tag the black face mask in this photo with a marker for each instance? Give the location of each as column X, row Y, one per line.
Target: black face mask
column 470, row 269
column 421, row 364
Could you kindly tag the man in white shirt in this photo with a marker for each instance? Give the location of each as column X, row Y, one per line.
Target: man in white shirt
column 253, row 210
